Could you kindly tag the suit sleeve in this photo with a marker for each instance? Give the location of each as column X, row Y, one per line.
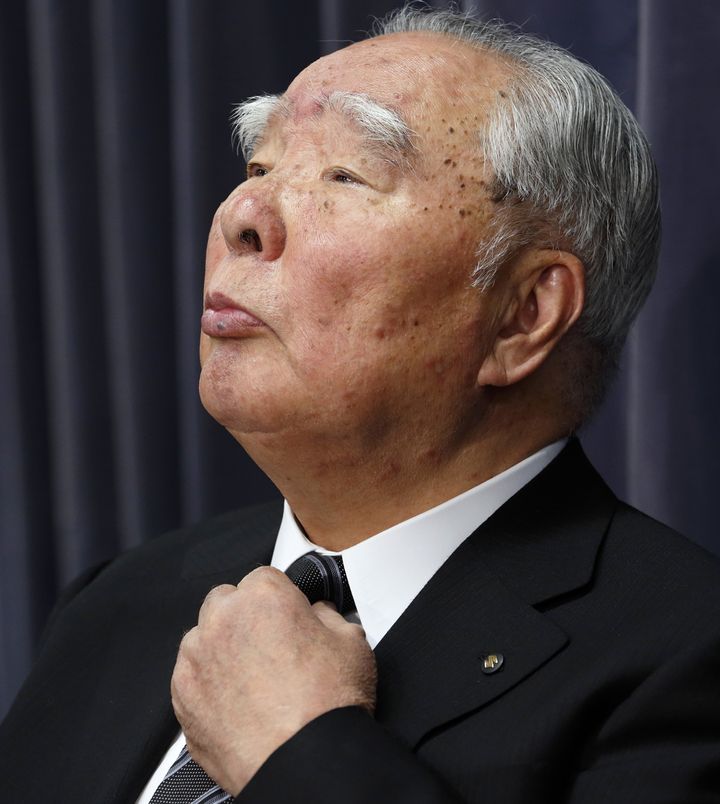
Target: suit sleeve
column 68, row 594
column 662, row 745
column 345, row 755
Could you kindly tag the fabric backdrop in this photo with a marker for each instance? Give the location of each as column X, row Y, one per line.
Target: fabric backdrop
column 114, row 152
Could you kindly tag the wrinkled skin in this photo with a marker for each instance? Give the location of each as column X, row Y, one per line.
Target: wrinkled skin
column 371, row 388
column 255, row 669
column 374, row 334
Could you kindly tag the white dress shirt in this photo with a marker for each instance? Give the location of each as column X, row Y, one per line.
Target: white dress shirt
column 387, row 570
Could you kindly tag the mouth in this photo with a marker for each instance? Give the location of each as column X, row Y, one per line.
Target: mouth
column 224, row 318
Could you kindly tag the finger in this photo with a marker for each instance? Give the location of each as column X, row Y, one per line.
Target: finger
column 324, row 604
column 272, row 590
column 357, row 630
column 328, row 614
column 331, row 619
column 263, row 574
column 264, row 577
column 188, row 644
column 183, row 672
column 189, row 638
column 212, row 597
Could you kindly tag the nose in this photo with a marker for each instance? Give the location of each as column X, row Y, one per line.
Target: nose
column 251, row 225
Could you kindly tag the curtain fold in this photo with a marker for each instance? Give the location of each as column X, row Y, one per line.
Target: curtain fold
column 673, row 439
column 114, row 153
column 80, row 472
column 25, row 508
column 129, row 47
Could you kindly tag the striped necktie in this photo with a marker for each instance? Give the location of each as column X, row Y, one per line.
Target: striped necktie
column 320, row 577
column 187, row 783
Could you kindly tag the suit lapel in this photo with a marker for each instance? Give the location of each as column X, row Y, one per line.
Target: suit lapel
column 226, row 551
column 485, row 599
column 430, row 662
column 145, row 723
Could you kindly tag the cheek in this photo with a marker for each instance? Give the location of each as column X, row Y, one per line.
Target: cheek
column 358, row 282
column 338, row 258
column 216, row 248
column 206, row 348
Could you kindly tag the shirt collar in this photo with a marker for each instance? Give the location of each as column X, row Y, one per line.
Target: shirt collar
column 387, row 570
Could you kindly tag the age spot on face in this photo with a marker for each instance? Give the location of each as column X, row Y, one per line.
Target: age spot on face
column 393, row 469
column 430, row 455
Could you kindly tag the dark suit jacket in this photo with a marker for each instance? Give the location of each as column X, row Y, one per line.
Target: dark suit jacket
column 608, row 623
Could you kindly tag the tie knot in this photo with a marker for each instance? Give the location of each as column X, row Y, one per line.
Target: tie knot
column 322, row 577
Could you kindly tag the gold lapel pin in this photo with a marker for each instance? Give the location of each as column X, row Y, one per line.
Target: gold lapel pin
column 492, row 662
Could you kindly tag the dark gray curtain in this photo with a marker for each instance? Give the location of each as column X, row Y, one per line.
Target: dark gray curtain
column 115, row 151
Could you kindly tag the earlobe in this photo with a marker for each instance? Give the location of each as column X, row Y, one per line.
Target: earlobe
column 549, row 293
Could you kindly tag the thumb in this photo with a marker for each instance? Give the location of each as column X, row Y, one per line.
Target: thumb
column 326, row 611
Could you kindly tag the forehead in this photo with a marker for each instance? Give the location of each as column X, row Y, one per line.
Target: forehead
column 421, row 75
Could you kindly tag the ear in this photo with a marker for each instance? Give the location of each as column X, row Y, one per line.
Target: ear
column 546, row 295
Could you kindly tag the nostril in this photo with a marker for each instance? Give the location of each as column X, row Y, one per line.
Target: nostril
column 251, row 237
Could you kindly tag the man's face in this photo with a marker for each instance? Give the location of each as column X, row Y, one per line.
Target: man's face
column 356, row 272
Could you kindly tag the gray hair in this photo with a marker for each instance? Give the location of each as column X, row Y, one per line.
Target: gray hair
column 572, row 169
column 383, row 129
column 250, row 118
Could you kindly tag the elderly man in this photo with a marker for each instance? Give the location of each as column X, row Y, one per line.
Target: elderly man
column 410, row 305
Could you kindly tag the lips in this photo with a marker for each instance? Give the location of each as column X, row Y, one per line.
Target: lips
column 224, row 318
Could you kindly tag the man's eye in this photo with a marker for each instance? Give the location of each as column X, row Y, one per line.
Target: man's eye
column 254, row 170
column 342, row 177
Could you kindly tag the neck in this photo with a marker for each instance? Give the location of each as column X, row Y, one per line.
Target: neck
column 342, row 493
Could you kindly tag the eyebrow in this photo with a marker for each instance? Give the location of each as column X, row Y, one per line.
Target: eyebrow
column 250, row 118
column 383, row 129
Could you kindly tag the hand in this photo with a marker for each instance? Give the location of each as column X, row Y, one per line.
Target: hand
column 261, row 663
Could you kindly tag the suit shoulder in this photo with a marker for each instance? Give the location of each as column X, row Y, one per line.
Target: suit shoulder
column 660, row 575
column 652, row 539
column 164, row 555
column 254, row 520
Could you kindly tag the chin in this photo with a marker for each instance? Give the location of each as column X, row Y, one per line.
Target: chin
column 222, row 400
column 220, row 388
column 237, row 404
